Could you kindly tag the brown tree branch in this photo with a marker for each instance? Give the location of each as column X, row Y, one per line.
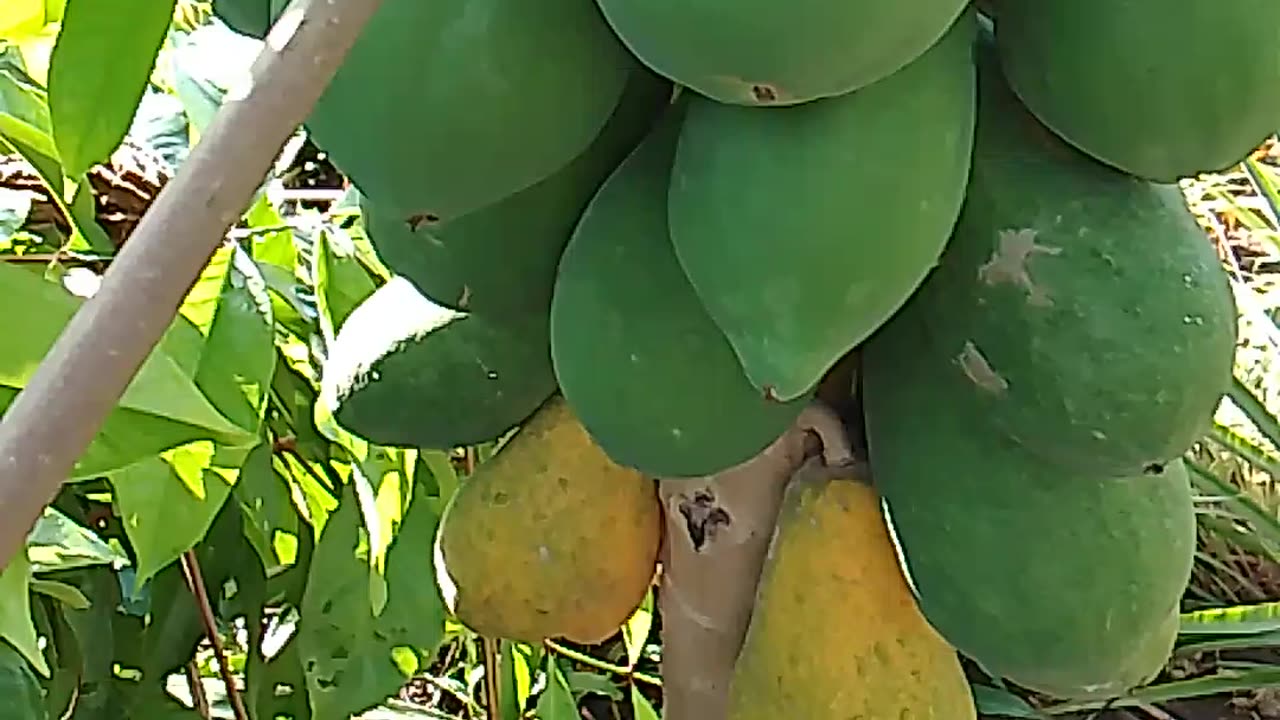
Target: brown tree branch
column 195, row 583
column 718, row 530
column 52, row 421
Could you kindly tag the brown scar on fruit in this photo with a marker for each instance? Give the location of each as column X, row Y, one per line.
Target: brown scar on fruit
column 703, row 517
column 979, row 370
column 418, row 220
column 1010, row 263
column 758, row 92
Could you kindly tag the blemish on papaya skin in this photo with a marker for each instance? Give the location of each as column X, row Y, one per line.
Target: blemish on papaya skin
column 979, row 370
column 464, row 298
column 755, row 93
column 1010, row 263
column 416, row 221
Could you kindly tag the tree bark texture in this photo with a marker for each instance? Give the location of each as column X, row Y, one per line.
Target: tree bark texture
column 718, row 530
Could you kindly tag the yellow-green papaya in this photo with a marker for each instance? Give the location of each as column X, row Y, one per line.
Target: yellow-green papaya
column 836, row 632
column 549, row 538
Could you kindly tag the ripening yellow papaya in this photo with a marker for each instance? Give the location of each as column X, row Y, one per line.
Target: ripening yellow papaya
column 836, row 632
column 549, row 538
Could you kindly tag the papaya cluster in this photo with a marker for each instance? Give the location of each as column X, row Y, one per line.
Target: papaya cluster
column 644, row 232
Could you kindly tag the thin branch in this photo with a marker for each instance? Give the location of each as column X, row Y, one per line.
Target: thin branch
column 602, row 665
column 198, row 697
column 195, row 581
column 52, row 421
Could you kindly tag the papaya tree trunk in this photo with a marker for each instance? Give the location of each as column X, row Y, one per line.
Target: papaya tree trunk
column 718, row 529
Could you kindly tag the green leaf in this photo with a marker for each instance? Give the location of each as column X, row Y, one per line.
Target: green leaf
column 58, row 543
column 641, row 708
column 16, row 624
column 20, row 694
column 168, row 503
column 68, row 595
column 556, row 701
column 342, row 282
column 636, row 630
column 1222, row 682
column 1001, row 703
column 1259, row 618
column 346, row 648
column 268, row 510
column 161, row 407
column 24, row 115
column 230, row 306
column 98, row 72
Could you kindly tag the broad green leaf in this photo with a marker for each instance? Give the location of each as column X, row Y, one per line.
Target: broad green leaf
column 16, row 624
column 58, row 543
column 342, row 282
column 19, row 689
column 346, row 648
column 1220, row 683
column 230, row 306
column 556, row 701
column 161, row 407
column 98, row 72
column 641, row 708
column 268, row 510
column 168, row 503
column 24, row 115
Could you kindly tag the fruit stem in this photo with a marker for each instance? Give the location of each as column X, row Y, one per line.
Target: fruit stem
column 718, row 529
column 602, row 665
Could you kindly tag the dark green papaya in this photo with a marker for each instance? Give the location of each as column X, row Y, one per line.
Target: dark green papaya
column 637, row 357
column 1161, row 90
column 443, row 107
column 253, row 18
column 775, row 54
column 406, row 372
column 804, row 228
column 501, row 260
column 1063, row 582
column 1081, row 310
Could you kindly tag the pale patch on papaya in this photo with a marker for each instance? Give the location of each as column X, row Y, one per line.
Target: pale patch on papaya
column 1010, row 263
column 979, row 370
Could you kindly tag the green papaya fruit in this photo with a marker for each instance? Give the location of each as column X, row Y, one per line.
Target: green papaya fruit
column 777, row 54
column 1081, row 310
column 443, row 107
column 253, row 18
column 501, row 260
column 637, row 357
column 1060, row 581
column 804, row 228
column 1160, row 90
column 406, row 372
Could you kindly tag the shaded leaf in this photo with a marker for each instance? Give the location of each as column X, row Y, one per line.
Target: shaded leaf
column 99, row 69
column 268, row 510
column 556, row 701
column 68, row 595
column 346, row 649
column 59, row 543
column 20, row 694
column 1002, row 703
column 16, row 624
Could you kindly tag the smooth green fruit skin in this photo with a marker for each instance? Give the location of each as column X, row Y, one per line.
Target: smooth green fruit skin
column 803, row 229
column 1081, row 310
column 443, row 107
column 1060, row 581
column 777, row 54
column 500, row 261
column 1142, row 86
column 637, row 357
column 406, row 372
